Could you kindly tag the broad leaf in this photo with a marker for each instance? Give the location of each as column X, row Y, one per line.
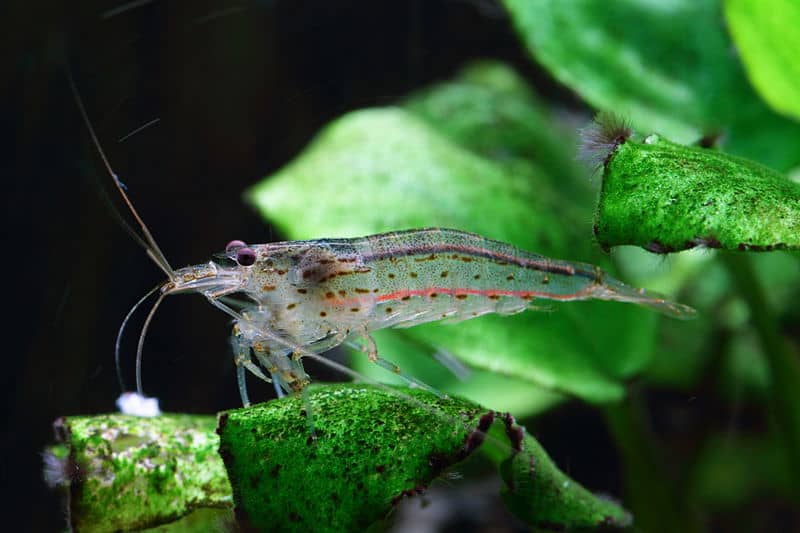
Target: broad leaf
column 766, row 36
column 386, row 169
column 668, row 66
column 371, row 449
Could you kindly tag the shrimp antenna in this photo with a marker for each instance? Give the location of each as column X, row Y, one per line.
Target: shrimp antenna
column 140, row 347
column 153, row 250
column 122, row 329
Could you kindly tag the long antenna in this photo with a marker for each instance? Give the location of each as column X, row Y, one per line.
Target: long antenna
column 122, row 330
column 140, row 347
column 153, row 251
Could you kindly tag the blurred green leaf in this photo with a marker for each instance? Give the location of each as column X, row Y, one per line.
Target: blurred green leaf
column 767, row 38
column 490, row 97
column 386, row 169
column 683, row 353
column 496, row 391
column 372, row 449
column 744, row 372
column 733, row 469
column 667, row 197
column 668, row 66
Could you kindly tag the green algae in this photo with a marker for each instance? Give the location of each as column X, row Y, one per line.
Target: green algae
column 371, row 449
column 125, row 472
column 667, row 197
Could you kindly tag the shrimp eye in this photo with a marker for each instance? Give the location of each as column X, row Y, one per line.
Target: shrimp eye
column 233, row 245
column 245, row 256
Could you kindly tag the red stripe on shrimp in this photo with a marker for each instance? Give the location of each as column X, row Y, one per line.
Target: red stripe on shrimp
column 488, row 293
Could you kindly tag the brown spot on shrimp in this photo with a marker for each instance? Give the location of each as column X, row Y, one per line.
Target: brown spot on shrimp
column 268, row 288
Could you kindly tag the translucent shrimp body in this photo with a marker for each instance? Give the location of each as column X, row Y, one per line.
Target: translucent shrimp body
column 318, row 294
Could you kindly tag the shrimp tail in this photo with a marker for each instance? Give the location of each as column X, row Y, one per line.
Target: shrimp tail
column 615, row 290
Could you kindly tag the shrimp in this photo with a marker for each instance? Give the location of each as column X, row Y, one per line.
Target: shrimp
column 321, row 293
column 298, row 299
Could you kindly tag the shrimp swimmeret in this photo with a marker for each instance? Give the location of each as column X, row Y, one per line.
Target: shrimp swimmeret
column 302, row 298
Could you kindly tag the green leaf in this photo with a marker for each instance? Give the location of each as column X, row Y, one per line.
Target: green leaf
column 668, row 66
column 667, row 197
column 386, row 169
column 766, row 36
column 372, row 449
column 127, row 473
column 553, row 500
column 500, row 392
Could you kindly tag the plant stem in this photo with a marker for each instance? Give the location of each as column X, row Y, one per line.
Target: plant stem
column 784, row 393
column 649, row 493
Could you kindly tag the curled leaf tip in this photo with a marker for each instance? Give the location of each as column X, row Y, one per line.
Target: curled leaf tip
column 600, row 139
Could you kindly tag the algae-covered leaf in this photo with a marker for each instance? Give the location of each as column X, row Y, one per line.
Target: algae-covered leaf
column 668, row 197
column 390, row 169
column 126, row 473
column 373, row 448
column 766, row 36
column 554, row 501
column 669, row 66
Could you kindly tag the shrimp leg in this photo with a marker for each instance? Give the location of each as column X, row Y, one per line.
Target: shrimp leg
column 278, row 389
column 309, row 412
column 242, row 360
column 371, row 349
column 242, row 382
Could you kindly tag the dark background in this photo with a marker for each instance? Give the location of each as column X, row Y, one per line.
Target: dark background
column 239, row 89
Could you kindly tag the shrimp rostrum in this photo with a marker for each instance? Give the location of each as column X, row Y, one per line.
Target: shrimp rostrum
column 297, row 299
